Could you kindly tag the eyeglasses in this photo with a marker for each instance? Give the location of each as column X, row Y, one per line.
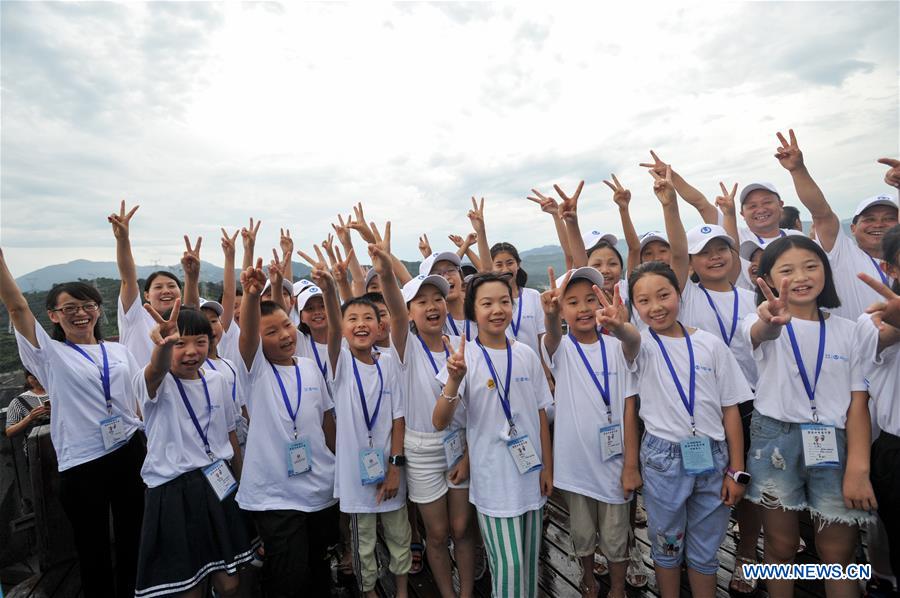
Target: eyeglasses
column 447, row 272
column 71, row 310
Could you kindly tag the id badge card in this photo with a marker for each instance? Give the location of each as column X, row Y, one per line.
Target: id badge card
column 453, row 448
column 696, row 455
column 112, row 429
column 220, row 479
column 371, row 466
column 523, row 454
column 610, row 441
column 298, row 457
column 819, row 445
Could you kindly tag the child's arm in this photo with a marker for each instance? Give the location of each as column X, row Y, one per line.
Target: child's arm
column 357, row 275
column 380, row 252
column 725, row 203
column 825, row 221
column 237, row 461
column 550, row 206
column 552, row 322
column 568, row 215
column 631, row 443
column 277, row 269
column 456, row 371
column 665, row 192
column 164, row 337
column 476, row 217
column 732, row 492
column 340, row 267
column 425, row 246
column 690, row 194
column 324, row 280
column 614, row 317
column 464, row 248
column 622, row 197
column 773, row 314
column 128, row 290
column 287, row 251
column 546, row 455
column 190, row 263
column 253, row 280
column 16, row 305
column 388, row 488
column 857, row 487
column 888, row 310
column 248, row 240
column 329, row 428
column 228, row 282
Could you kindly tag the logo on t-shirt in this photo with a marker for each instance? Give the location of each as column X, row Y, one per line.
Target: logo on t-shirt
column 490, row 383
column 836, row 357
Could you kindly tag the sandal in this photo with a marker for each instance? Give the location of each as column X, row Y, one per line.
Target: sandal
column 416, row 550
column 636, row 575
column 739, row 583
column 601, row 566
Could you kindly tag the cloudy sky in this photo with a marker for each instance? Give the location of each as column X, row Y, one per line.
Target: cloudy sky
column 206, row 114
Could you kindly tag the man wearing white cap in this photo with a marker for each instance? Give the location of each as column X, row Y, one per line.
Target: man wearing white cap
column 871, row 219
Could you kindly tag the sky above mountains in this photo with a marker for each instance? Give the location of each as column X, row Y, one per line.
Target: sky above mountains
column 206, row 114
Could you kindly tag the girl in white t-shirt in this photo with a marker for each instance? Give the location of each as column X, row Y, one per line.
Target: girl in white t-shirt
column 93, row 425
column 193, row 530
column 810, row 431
column 506, row 395
column 437, row 464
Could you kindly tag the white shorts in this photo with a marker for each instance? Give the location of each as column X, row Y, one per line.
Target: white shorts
column 427, row 475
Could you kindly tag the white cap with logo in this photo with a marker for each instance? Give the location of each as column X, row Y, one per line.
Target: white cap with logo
column 755, row 187
column 592, row 238
column 876, row 200
column 411, row 288
column 438, row 256
column 653, row 235
column 699, row 236
column 585, row 272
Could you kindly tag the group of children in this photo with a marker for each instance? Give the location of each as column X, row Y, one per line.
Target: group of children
column 716, row 368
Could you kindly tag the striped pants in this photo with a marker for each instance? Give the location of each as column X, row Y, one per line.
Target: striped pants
column 513, row 547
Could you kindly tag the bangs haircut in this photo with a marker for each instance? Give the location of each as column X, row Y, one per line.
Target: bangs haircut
column 362, row 301
column 78, row 290
column 602, row 244
column 374, row 297
column 503, row 247
column 192, row 322
column 472, row 290
column 267, row 308
column 646, row 269
column 156, row 275
column 828, row 298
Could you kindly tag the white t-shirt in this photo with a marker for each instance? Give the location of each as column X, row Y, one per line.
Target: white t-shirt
column 454, row 327
column 531, row 324
column 581, row 412
column 229, row 347
column 780, row 393
column 134, row 329
column 633, row 315
column 719, row 383
column 78, row 404
column 744, row 234
column 848, row 260
column 174, row 446
column 317, row 352
column 265, row 484
column 420, row 385
column 237, row 383
column 696, row 312
column 882, row 372
column 496, row 487
column 352, row 434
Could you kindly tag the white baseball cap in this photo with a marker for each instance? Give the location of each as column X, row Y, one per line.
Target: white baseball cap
column 370, row 274
column 307, row 293
column 285, row 284
column 749, row 247
column 876, row 200
column 585, row 272
column 438, row 256
column 411, row 288
column 653, row 235
column 755, row 186
column 300, row 285
column 213, row 305
column 700, row 235
column 592, row 238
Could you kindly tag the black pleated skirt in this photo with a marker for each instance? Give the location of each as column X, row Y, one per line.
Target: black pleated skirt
column 188, row 534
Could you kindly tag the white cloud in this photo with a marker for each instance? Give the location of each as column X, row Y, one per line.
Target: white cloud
column 207, row 114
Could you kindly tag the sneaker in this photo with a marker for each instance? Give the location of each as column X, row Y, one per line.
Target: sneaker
column 481, row 564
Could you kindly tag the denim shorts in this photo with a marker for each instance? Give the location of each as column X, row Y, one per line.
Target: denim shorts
column 686, row 518
column 780, row 478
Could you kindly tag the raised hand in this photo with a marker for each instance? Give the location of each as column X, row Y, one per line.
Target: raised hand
column 456, row 240
column 892, row 176
column 384, row 242
column 425, row 246
column 621, row 195
column 253, row 279
column 342, row 230
column 883, row 312
column 548, row 204
column 550, row 297
column 248, row 236
column 166, row 330
column 285, row 241
column 121, row 221
column 190, row 259
column 658, row 166
column 774, row 310
column 789, row 154
column 340, row 267
column 380, row 250
column 359, row 224
column 320, row 273
column 568, row 209
column 328, row 246
column 476, row 215
column 663, row 187
column 228, row 246
column 611, row 315
column 725, row 202
column 456, row 364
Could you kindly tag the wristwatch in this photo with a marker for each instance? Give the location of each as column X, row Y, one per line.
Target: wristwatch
column 397, row 460
column 741, row 477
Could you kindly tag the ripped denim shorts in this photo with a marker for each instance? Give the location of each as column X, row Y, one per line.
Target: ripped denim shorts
column 782, row 480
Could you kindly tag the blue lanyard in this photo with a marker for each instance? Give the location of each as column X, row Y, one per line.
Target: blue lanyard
column 763, row 242
column 430, row 356
column 604, row 392
column 502, row 391
column 878, row 269
column 370, row 422
column 203, row 432
column 809, row 388
column 727, row 337
column 455, row 329
column 322, row 367
column 234, row 382
column 686, row 399
column 293, row 413
column 518, row 323
column 104, row 371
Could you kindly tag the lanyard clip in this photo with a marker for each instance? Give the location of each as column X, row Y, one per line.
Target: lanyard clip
column 371, row 444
